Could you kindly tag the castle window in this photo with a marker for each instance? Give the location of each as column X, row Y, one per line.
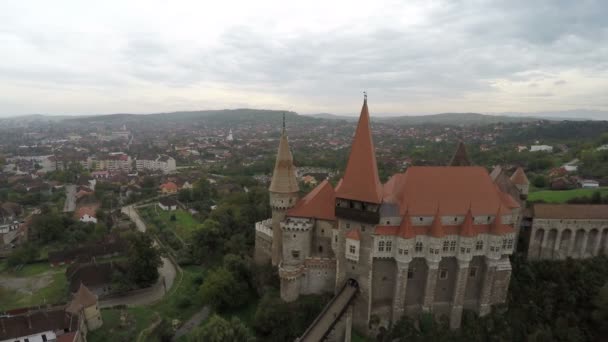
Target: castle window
column 437, row 251
column 510, row 243
column 446, row 246
column 410, row 273
column 400, row 251
column 452, row 246
column 320, row 249
column 421, row 219
column 418, row 247
column 504, row 243
column 473, row 272
column 295, row 254
column 388, row 222
column 348, row 226
column 443, row 274
column 336, row 238
column 461, row 249
column 489, row 218
column 389, row 246
column 455, row 219
column 405, row 252
column 479, row 245
column 468, row 250
column 381, row 246
column 352, row 249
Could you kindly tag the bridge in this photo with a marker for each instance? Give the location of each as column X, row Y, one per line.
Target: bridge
column 331, row 314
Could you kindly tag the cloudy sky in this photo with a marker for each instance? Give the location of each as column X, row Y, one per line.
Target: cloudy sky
column 85, row 57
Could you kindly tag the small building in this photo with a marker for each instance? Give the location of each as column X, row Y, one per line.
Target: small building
column 541, row 148
column 168, row 188
column 87, row 214
column 85, row 302
column 167, row 204
column 589, row 183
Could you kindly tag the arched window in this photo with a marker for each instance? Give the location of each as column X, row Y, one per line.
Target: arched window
column 381, row 246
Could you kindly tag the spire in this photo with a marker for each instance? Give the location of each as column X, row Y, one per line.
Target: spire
column 519, row 177
column 361, row 181
column 461, row 157
column 284, row 174
column 466, row 229
column 437, row 228
column 406, row 230
column 497, row 227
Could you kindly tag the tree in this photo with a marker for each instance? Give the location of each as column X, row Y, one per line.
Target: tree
column 540, row 181
column 143, row 259
column 217, row 329
column 23, row 255
column 222, row 291
column 600, row 314
column 48, row 227
column 207, row 240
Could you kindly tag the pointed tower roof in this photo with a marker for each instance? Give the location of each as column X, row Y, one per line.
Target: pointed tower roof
column 361, row 181
column 461, row 157
column 284, row 174
column 319, row 203
column 466, row 229
column 497, row 227
column 406, row 230
column 519, row 177
column 437, row 228
column 83, row 298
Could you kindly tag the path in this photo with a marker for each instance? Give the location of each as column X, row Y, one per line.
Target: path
column 167, row 272
column 192, row 323
column 70, row 198
column 323, row 324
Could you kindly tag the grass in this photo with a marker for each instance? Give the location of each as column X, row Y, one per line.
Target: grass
column 183, row 225
column 562, row 196
column 179, row 303
column 358, row 338
column 138, row 318
column 55, row 292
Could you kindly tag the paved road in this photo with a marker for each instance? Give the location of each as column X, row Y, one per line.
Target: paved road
column 167, row 274
column 192, row 323
column 322, row 324
column 70, row 198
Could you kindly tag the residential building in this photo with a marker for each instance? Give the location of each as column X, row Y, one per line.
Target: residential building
column 161, row 163
column 541, row 148
column 167, row 204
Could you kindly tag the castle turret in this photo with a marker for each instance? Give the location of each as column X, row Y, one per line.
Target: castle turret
column 283, row 193
column 521, row 182
column 85, row 303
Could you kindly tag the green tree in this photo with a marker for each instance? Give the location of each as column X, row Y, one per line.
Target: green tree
column 207, row 240
column 48, row 227
column 143, row 259
column 222, row 291
column 217, row 329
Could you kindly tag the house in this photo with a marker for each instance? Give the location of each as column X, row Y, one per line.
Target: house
column 87, row 213
column 161, row 163
column 589, row 183
column 167, row 204
column 97, row 277
column 309, row 180
column 42, row 324
column 541, row 148
column 168, row 188
column 562, row 183
column 100, row 174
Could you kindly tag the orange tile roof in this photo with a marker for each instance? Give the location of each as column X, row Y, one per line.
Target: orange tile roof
column 461, row 157
column 406, row 230
column 497, row 227
column 86, row 210
column 361, row 181
column 169, row 186
column 466, row 229
column 436, row 227
column 319, row 203
column 519, row 177
column 386, row 230
column 354, row 235
column 420, row 189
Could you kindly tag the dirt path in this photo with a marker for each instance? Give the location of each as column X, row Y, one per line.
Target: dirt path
column 27, row 285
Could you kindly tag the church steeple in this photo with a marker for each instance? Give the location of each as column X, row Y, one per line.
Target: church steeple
column 361, row 181
column 284, row 174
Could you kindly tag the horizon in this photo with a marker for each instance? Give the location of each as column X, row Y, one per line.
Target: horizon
column 72, row 58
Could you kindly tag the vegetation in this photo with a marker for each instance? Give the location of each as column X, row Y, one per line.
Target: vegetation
column 143, row 260
column 564, row 196
column 548, row 301
column 218, row 329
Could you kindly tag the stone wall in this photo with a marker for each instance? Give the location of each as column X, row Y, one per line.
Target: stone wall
column 575, row 238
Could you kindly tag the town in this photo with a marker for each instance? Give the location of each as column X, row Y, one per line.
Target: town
column 117, row 219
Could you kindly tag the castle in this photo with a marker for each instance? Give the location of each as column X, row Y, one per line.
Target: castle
column 431, row 239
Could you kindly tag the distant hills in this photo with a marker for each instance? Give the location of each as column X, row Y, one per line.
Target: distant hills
column 256, row 116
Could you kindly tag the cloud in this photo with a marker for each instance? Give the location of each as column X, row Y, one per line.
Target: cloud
column 414, row 57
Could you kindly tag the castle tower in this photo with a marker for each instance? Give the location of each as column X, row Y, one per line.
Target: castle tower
column 521, row 182
column 85, row 302
column 461, row 157
column 358, row 199
column 283, row 193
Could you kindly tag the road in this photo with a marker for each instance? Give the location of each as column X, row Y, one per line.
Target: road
column 167, row 272
column 70, row 198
